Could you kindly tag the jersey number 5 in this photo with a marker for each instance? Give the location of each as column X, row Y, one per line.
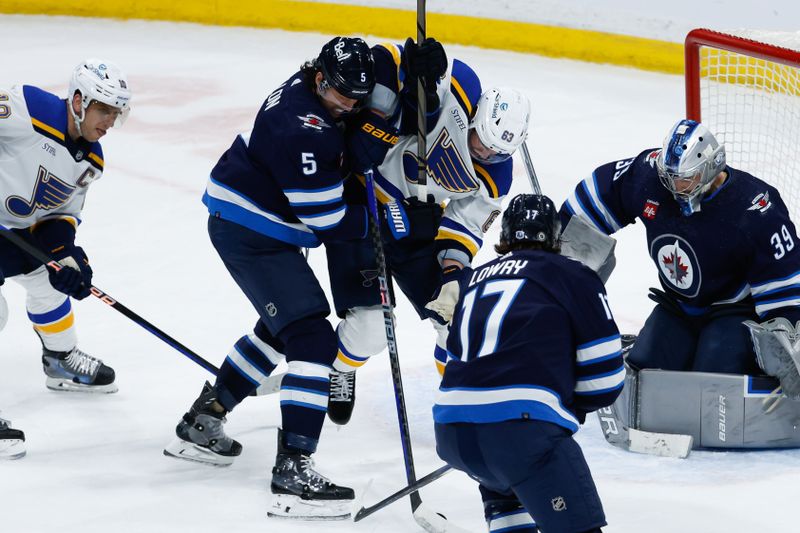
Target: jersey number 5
column 309, row 165
column 508, row 290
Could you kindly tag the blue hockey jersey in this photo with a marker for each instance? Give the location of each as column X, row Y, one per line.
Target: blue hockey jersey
column 532, row 338
column 285, row 178
column 740, row 245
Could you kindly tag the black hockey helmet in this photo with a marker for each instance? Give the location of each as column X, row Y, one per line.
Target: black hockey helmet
column 531, row 218
column 348, row 67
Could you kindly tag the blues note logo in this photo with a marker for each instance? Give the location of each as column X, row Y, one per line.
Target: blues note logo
column 445, row 166
column 48, row 193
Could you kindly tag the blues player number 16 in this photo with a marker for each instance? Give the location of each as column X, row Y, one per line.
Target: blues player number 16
column 783, row 243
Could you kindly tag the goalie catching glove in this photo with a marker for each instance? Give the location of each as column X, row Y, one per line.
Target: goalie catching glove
column 777, row 348
column 443, row 303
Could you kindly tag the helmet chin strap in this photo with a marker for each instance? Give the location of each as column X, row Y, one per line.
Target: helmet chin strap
column 78, row 120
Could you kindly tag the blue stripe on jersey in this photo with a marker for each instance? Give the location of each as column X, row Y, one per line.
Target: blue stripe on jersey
column 324, row 221
column 460, row 228
column 310, row 197
column 259, row 222
column 51, row 316
column 601, row 206
column 388, row 187
column 585, row 198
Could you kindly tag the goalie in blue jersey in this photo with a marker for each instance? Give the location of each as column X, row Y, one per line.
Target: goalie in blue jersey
column 724, row 245
column 532, row 349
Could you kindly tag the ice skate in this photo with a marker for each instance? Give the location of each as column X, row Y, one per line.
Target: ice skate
column 342, row 397
column 301, row 493
column 77, row 371
column 200, row 435
column 12, row 441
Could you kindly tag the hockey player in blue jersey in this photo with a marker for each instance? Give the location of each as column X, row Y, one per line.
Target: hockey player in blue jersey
column 532, row 349
column 471, row 136
column 722, row 241
column 50, row 155
column 277, row 189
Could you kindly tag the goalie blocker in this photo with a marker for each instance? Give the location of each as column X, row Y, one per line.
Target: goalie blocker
column 717, row 410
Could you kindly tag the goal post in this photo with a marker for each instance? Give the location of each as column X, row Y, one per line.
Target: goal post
column 745, row 87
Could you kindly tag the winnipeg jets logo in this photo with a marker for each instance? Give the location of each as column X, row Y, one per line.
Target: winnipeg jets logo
column 313, row 122
column 760, row 203
column 49, row 192
column 677, row 264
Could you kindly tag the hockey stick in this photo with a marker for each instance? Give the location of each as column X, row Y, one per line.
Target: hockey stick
column 408, row 489
column 422, row 115
column 526, row 159
column 108, row 300
column 425, row 517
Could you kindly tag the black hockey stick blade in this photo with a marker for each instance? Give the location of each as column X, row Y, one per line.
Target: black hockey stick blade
column 408, row 489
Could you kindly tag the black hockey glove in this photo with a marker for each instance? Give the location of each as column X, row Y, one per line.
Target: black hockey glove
column 413, row 220
column 368, row 139
column 427, row 60
column 75, row 276
column 443, row 302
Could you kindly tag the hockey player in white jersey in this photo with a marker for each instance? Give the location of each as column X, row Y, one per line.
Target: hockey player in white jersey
column 471, row 138
column 50, row 155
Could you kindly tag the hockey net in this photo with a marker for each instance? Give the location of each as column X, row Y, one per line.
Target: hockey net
column 745, row 87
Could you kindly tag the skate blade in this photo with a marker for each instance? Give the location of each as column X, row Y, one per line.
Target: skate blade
column 189, row 451
column 292, row 507
column 12, row 449
column 66, row 385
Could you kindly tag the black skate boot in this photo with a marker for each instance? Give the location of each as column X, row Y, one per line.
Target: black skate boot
column 300, row 492
column 342, row 397
column 77, row 371
column 200, row 434
column 12, row 441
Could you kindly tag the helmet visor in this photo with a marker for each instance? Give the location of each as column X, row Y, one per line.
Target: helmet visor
column 482, row 153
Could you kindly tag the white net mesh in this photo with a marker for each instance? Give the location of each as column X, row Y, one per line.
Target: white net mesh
column 753, row 106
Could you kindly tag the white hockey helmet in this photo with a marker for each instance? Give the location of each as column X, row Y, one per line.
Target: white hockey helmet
column 100, row 81
column 690, row 159
column 501, row 121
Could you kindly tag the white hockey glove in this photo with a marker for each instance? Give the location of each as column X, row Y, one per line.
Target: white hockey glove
column 443, row 303
column 777, row 348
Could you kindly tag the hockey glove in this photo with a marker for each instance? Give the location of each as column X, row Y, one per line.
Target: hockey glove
column 443, row 302
column 368, row 139
column 427, row 60
column 75, row 278
column 413, row 220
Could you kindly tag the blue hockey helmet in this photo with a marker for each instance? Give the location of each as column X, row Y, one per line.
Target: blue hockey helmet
column 347, row 65
column 690, row 159
column 531, row 218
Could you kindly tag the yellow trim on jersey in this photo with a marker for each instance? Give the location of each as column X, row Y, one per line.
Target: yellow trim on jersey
column 468, row 243
column 49, row 129
column 67, row 218
column 440, row 368
column 395, row 51
column 462, row 95
column 379, row 193
column 57, row 327
column 347, row 19
column 96, row 158
column 350, row 362
column 493, row 192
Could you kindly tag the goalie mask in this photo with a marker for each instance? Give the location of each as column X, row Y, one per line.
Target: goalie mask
column 690, row 159
column 501, row 123
column 100, row 81
column 531, row 218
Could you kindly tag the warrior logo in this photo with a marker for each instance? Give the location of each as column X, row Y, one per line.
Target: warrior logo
column 49, row 192
column 446, row 167
column 761, row 203
column 677, row 264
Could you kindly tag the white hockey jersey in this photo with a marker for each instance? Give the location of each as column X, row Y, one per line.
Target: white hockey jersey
column 43, row 173
column 473, row 191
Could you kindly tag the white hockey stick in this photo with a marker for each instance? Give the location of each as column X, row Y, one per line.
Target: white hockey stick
column 638, row 441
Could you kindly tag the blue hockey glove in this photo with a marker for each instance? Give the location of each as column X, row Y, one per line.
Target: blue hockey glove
column 368, row 139
column 75, row 276
column 413, row 220
column 443, row 302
